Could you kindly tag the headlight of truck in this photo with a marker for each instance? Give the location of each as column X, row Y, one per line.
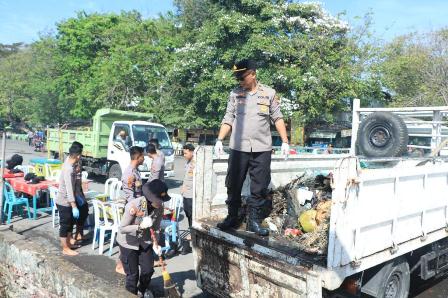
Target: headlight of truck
column 169, row 166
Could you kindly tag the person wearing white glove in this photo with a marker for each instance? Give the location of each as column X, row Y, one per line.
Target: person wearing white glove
column 285, row 149
column 157, row 249
column 219, row 149
column 141, row 215
column 146, row 222
column 251, row 109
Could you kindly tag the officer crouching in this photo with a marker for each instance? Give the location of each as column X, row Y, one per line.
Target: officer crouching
column 134, row 236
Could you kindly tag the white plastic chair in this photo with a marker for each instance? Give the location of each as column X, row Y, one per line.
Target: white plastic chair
column 120, row 209
column 31, row 169
column 22, row 168
column 84, row 175
column 104, row 225
column 54, row 211
column 107, row 187
column 54, row 174
column 115, row 190
column 116, row 214
column 175, row 203
column 25, row 169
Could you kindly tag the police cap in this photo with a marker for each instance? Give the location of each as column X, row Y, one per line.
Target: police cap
column 156, row 191
column 242, row 66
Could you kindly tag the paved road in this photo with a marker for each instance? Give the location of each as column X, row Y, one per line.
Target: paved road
column 180, row 267
column 41, row 230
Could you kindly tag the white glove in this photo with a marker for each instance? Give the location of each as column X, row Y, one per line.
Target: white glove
column 285, row 149
column 157, row 249
column 219, row 149
column 146, row 222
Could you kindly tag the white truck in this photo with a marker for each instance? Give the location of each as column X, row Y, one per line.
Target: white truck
column 386, row 224
column 104, row 153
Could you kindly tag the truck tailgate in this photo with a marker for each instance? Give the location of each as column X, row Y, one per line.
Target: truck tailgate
column 229, row 266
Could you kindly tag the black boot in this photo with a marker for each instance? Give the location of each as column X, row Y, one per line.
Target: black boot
column 232, row 221
column 254, row 223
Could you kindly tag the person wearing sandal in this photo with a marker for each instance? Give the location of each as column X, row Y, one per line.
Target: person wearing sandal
column 70, row 201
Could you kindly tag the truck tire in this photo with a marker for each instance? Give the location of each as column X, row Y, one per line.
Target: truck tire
column 115, row 171
column 391, row 280
column 397, row 282
column 382, row 134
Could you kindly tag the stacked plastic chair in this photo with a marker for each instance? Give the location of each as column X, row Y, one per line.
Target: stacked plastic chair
column 103, row 224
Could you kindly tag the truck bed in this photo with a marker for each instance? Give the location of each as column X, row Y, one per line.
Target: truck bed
column 376, row 215
column 236, row 264
column 273, row 242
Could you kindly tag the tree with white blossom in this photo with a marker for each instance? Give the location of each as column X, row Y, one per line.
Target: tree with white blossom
column 306, row 54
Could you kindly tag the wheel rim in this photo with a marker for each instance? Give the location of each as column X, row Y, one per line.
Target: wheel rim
column 393, row 286
column 379, row 136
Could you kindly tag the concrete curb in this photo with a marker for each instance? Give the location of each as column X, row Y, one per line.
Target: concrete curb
column 27, row 271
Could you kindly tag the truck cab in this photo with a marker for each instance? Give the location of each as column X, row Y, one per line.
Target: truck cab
column 125, row 134
column 107, row 142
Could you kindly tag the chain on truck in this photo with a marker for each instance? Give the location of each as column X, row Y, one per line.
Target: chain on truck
column 388, row 220
column 103, row 153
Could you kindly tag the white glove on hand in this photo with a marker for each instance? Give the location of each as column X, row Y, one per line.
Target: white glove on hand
column 285, row 149
column 157, row 249
column 146, row 222
column 219, row 149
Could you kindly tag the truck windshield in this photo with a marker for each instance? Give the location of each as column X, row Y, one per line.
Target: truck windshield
column 144, row 133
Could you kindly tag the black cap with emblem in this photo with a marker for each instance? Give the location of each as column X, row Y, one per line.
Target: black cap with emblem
column 242, row 66
column 156, row 190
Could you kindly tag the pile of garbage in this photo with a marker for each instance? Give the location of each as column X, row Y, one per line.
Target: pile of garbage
column 301, row 211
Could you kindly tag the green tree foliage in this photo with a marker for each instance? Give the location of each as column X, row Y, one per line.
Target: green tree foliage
column 14, row 79
column 414, row 69
column 178, row 66
column 112, row 60
column 28, row 81
column 303, row 52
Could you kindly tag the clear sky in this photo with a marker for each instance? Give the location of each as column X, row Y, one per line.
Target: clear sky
column 22, row 20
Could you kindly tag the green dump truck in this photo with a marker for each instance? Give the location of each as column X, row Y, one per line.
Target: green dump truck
column 105, row 152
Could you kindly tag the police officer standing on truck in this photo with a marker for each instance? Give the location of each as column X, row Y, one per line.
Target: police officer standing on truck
column 250, row 110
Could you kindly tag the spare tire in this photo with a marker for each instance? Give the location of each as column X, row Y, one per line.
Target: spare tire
column 382, row 134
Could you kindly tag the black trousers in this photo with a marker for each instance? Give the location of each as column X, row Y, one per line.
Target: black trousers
column 188, row 209
column 83, row 214
column 131, row 260
column 66, row 220
column 258, row 164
